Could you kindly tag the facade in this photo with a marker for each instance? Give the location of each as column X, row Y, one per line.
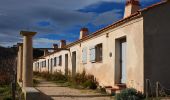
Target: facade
column 126, row 52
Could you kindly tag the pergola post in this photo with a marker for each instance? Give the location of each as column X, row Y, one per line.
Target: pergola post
column 19, row 62
column 27, row 58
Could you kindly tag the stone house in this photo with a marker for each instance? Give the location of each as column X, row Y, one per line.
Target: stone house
column 127, row 52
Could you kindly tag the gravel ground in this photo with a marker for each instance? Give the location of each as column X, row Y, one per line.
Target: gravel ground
column 52, row 91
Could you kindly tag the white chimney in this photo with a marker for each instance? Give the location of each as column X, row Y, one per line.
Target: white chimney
column 45, row 52
column 62, row 43
column 131, row 7
column 83, row 32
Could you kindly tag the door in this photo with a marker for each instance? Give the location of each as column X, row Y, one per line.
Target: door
column 73, row 63
column 48, row 66
column 66, row 64
column 51, row 69
column 123, row 60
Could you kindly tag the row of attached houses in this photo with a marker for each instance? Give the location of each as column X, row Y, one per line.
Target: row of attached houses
column 128, row 52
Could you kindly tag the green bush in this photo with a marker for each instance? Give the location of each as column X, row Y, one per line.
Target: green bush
column 58, row 76
column 129, row 94
column 7, row 98
column 90, row 84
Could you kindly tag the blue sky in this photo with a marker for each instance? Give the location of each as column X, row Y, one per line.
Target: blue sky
column 54, row 20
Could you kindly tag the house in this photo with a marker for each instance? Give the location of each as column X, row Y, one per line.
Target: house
column 129, row 51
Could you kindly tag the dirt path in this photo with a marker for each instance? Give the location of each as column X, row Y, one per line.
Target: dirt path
column 52, row 91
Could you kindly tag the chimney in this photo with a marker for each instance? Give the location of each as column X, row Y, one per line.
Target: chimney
column 83, row 32
column 131, row 7
column 62, row 43
column 55, row 46
column 46, row 52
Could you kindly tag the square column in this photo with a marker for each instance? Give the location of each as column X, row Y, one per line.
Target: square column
column 27, row 58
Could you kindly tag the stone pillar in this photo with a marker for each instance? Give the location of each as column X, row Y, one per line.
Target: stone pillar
column 19, row 62
column 27, row 58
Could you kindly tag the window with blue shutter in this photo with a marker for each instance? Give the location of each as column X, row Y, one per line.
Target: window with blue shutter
column 84, row 55
column 92, row 54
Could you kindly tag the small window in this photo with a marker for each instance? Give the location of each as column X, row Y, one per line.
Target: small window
column 60, row 60
column 96, row 53
column 99, row 51
column 43, row 64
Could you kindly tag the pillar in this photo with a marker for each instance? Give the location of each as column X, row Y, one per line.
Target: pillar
column 27, row 58
column 19, row 62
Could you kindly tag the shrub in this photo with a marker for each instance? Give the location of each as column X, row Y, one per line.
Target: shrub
column 90, row 84
column 58, row 76
column 87, row 81
column 80, row 79
column 129, row 94
column 7, row 98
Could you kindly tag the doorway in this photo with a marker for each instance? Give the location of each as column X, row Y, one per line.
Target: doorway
column 66, row 64
column 51, row 69
column 48, row 66
column 120, row 54
column 73, row 63
column 123, row 45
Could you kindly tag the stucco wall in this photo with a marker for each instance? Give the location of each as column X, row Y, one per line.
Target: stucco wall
column 156, row 44
column 105, row 71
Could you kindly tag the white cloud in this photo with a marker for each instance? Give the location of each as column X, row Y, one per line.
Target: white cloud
column 44, row 42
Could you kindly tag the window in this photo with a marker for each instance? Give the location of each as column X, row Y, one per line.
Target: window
column 84, row 55
column 96, row 53
column 43, row 63
column 99, row 50
column 60, row 60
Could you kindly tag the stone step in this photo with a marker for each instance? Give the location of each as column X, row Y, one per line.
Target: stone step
column 120, row 86
column 116, row 89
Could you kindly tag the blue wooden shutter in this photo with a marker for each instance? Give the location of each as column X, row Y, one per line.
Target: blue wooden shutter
column 57, row 61
column 92, row 54
column 84, row 55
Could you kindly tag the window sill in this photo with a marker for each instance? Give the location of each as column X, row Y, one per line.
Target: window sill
column 97, row 62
